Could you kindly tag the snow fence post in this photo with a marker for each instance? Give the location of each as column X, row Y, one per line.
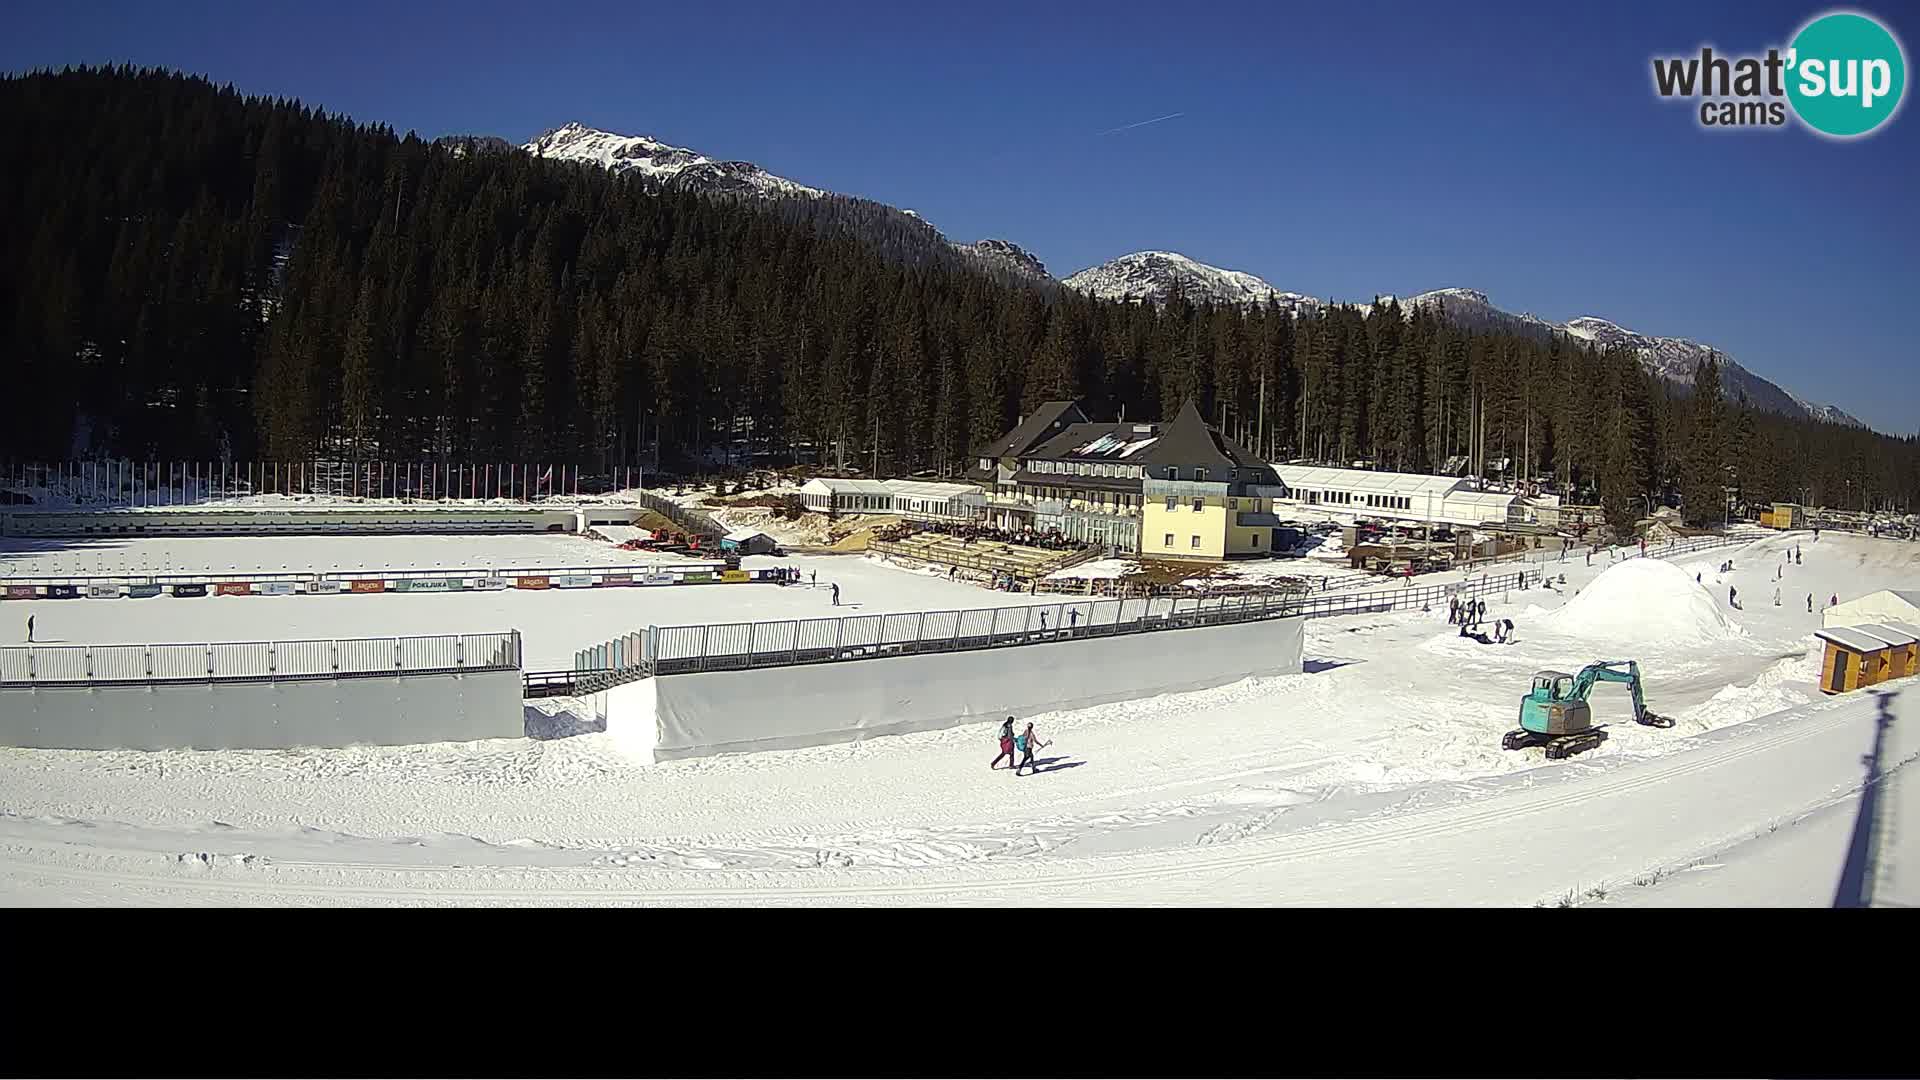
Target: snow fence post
column 396, row 654
column 752, row 632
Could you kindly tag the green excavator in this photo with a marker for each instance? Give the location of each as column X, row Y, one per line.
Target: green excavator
column 1555, row 713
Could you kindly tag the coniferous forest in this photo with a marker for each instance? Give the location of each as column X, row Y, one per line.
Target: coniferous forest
column 186, row 271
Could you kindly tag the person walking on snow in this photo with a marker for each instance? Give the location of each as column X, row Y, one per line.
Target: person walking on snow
column 814, row 581
column 1809, row 603
column 1006, row 745
column 1073, row 620
column 1453, row 610
column 835, row 586
column 1833, row 600
column 29, row 628
column 1027, row 742
column 1733, row 597
column 1776, row 596
column 1043, row 622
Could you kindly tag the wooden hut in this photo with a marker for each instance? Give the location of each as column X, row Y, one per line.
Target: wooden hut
column 1850, row 660
column 1901, row 652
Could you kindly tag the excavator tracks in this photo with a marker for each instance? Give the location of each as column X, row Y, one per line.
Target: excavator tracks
column 1557, row 746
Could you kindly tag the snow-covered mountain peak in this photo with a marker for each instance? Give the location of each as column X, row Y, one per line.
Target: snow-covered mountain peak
column 647, row 156
column 1153, row 275
column 1006, row 255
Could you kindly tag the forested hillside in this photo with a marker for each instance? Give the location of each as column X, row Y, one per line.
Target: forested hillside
column 187, row 271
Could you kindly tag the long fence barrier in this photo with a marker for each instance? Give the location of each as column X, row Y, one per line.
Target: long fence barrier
column 111, row 586
column 257, row 661
column 672, row 650
column 126, row 482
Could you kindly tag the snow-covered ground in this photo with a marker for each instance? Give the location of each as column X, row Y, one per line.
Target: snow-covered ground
column 553, row 623
column 1373, row 777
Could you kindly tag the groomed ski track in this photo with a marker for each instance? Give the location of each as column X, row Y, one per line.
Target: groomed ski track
column 1561, row 835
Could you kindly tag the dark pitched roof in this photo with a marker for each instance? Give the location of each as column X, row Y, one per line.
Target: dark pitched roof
column 1188, row 440
column 1045, row 421
column 1097, row 442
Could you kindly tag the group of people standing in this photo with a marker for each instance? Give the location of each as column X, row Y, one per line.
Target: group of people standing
column 1465, row 612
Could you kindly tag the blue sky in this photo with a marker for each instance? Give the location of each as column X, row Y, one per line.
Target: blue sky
column 1339, row 150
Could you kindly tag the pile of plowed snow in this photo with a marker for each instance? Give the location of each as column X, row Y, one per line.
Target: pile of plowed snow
column 1646, row 601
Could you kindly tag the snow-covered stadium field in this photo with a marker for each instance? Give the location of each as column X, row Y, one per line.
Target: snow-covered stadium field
column 1376, row 776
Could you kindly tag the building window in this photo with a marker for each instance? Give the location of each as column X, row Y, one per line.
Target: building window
column 1198, row 504
column 1233, row 504
column 1169, row 542
column 1200, row 475
column 1195, row 543
column 1173, row 473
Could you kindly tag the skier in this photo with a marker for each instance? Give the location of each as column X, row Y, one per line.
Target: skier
column 1733, row 597
column 835, row 586
column 1809, row 603
column 1589, row 556
column 1073, row 620
column 1776, row 596
column 1043, row 622
column 814, row 580
column 1006, row 745
column 1027, row 742
column 29, row 628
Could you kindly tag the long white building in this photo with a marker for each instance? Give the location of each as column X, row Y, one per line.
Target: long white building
column 924, row 500
column 1410, row 497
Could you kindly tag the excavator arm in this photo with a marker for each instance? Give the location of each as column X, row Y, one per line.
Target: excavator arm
column 1618, row 671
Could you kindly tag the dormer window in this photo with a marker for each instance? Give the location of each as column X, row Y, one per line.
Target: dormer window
column 1200, row 475
column 1173, row 472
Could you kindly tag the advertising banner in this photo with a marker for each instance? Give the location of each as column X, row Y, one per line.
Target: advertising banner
column 658, row 579
column 22, row 592
column 734, row 575
column 326, row 585
column 491, row 583
column 574, row 581
column 698, row 577
column 367, row 585
column 62, row 592
column 530, row 583
column 232, row 588
column 189, row 590
column 426, row 585
column 141, row 592
column 274, row 588
column 616, row 579
column 103, row 592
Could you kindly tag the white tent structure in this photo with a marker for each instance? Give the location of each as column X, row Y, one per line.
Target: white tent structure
column 1887, row 605
column 1410, row 497
column 923, row 500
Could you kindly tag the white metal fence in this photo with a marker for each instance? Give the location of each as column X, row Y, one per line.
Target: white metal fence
column 37, row 665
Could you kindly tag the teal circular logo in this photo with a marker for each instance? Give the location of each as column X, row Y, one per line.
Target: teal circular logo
column 1846, row 74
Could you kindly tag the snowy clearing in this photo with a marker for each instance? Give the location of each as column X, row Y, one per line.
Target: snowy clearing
column 1374, row 777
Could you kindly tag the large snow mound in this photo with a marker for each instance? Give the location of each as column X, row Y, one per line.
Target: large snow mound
column 1649, row 602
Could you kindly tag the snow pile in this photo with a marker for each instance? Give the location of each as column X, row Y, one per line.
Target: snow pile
column 1645, row 602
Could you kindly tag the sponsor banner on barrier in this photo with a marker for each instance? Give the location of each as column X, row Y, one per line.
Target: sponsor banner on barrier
column 62, row 592
column 491, row 583
column 658, row 579
column 530, row 583
column 141, row 592
column 22, row 592
column 698, row 577
column 426, row 585
column 734, row 575
column 326, row 585
column 573, row 581
column 274, row 588
column 367, row 585
column 232, row 588
column 103, row 592
column 189, row 590
column 616, row 579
